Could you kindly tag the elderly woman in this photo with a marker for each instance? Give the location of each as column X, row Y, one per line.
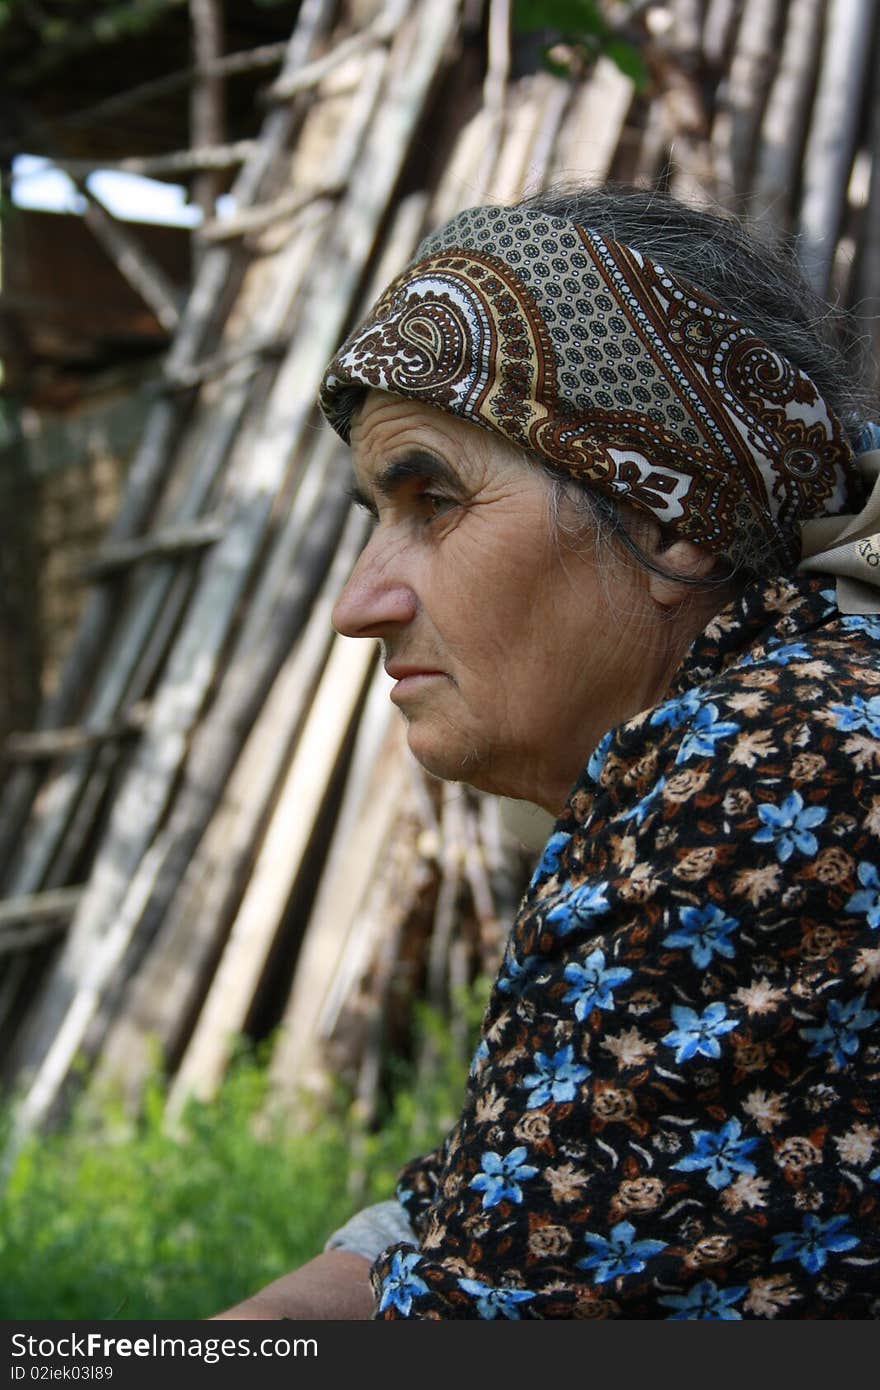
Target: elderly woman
column 599, row 433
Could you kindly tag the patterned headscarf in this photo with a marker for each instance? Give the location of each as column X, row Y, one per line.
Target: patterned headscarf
column 619, row 374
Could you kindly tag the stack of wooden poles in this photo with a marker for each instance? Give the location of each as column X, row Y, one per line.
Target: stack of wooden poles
column 216, row 828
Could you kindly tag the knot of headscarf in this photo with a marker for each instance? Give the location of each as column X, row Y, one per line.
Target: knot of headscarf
column 619, row 374
column 849, row 546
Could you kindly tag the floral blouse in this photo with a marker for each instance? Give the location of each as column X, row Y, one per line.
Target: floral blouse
column 673, row 1108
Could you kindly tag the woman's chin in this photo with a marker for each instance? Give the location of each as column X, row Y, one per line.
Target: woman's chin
column 453, row 759
column 446, row 755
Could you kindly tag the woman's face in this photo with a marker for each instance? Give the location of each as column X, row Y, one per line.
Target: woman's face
column 508, row 659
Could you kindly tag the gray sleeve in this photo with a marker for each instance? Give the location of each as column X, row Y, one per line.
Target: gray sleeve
column 372, row 1230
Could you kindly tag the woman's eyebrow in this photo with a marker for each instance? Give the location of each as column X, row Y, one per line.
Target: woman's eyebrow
column 420, row 463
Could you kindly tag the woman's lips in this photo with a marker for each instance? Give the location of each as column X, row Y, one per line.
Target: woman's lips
column 409, row 679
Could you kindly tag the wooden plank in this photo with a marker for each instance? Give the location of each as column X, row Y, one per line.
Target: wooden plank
column 174, row 978
column 37, row 907
column 132, row 260
column 380, row 31
column 255, row 219
column 560, row 95
column 169, row 544
column 23, row 939
column 207, row 100
column 452, row 854
column 719, row 27
column 55, row 743
column 866, row 294
column 514, row 167
column 254, row 353
column 332, row 947
column 786, row 117
column 846, row 48
column 593, row 125
column 742, row 97
column 157, row 166
column 275, row 872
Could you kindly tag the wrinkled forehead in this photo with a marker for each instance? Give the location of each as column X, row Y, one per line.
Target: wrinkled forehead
column 386, row 428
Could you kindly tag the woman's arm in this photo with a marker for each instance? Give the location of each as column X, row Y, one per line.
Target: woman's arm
column 334, row 1285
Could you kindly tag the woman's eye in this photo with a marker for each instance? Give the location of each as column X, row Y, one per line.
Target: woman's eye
column 435, row 503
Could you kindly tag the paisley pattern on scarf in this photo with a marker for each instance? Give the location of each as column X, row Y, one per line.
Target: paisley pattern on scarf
column 584, row 352
column 673, row 1108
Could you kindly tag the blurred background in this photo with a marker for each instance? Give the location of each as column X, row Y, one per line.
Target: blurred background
column 244, row 940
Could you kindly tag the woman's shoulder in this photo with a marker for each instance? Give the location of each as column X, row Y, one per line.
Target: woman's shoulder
column 779, row 699
column 774, row 624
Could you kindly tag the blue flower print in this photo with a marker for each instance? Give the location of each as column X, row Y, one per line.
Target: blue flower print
column 501, row 1177
column 867, row 899
column 697, row 1034
column 721, row 1153
column 549, row 861
column 838, row 1033
column 515, row 977
column 479, row 1057
column 813, row 1244
column 704, row 733
column 704, row 931
column 786, row 652
column 592, row 984
column 706, row 1300
column 643, row 808
column 619, row 1253
column 869, row 623
column 789, row 826
column 676, row 712
column 555, row 1078
column 493, row 1303
column 578, row 909
column 861, row 714
column 598, row 756
column 400, row 1285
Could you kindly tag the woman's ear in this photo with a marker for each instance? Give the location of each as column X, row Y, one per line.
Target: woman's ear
column 681, row 558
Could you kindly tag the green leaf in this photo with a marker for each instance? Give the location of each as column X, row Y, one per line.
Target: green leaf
column 572, row 17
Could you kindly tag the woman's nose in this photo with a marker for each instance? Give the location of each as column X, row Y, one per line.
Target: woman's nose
column 375, row 599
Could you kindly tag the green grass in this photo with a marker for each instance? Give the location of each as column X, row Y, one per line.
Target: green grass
column 112, row 1218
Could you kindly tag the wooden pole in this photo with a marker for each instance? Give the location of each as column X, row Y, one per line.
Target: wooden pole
column 593, row 125
column 846, row 48
column 158, row 166
column 271, row 882
column 866, row 297
column 742, row 97
column 333, row 951
column 207, row 115
column 784, row 127
column 134, row 264
column 380, row 31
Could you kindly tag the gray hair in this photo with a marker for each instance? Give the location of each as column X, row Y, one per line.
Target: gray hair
column 759, row 282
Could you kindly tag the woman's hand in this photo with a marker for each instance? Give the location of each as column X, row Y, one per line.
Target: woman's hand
column 334, row 1285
